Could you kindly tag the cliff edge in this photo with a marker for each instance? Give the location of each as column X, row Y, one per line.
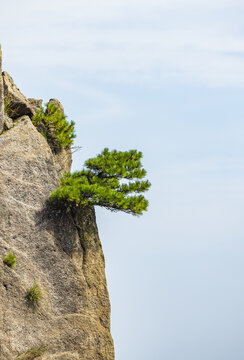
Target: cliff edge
column 61, row 251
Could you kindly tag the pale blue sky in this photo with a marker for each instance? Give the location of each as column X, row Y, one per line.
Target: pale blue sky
column 165, row 77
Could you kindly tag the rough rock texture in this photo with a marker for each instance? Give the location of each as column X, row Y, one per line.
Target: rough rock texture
column 60, row 250
column 17, row 103
column 63, row 161
column 35, row 103
column 7, row 122
column 1, row 94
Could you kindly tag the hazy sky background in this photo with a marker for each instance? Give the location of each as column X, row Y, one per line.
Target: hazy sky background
column 166, row 78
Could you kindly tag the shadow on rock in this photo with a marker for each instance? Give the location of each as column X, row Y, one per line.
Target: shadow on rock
column 58, row 222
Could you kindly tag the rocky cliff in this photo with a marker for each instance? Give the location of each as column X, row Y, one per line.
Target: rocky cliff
column 61, row 251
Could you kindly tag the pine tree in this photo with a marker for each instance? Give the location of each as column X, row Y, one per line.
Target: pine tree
column 52, row 124
column 111, row 180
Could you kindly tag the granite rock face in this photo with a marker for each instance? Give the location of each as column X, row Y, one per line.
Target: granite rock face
column 59, row 250
column 7, row 122
column 1, row 95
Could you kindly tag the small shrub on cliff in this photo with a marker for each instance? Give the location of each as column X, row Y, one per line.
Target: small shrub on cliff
column 52, row 124
column 7, row 105
column 32, row 353
column 10, row 260
column 112, row 180
column 35, row 294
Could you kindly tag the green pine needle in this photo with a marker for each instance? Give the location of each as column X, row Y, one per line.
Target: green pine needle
column 52, row 124
column 100, row 183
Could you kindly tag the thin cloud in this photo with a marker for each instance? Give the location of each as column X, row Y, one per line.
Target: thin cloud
column 130, row 41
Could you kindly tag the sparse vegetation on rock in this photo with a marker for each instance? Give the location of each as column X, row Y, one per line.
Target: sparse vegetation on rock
column 33, row 353
column 102, row 183
column 7, row 105
column 10, row 260
column 35, row 294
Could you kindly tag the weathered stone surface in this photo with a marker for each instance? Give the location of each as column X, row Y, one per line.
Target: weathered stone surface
column 1, row 94
column 36, row 104
column 17, row 104
column 63, row 161
column 7, row 122
column 59, row 250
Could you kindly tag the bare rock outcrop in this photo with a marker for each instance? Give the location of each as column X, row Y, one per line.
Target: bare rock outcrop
column 59, row 250
column 7, row 122
column 16, row 103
